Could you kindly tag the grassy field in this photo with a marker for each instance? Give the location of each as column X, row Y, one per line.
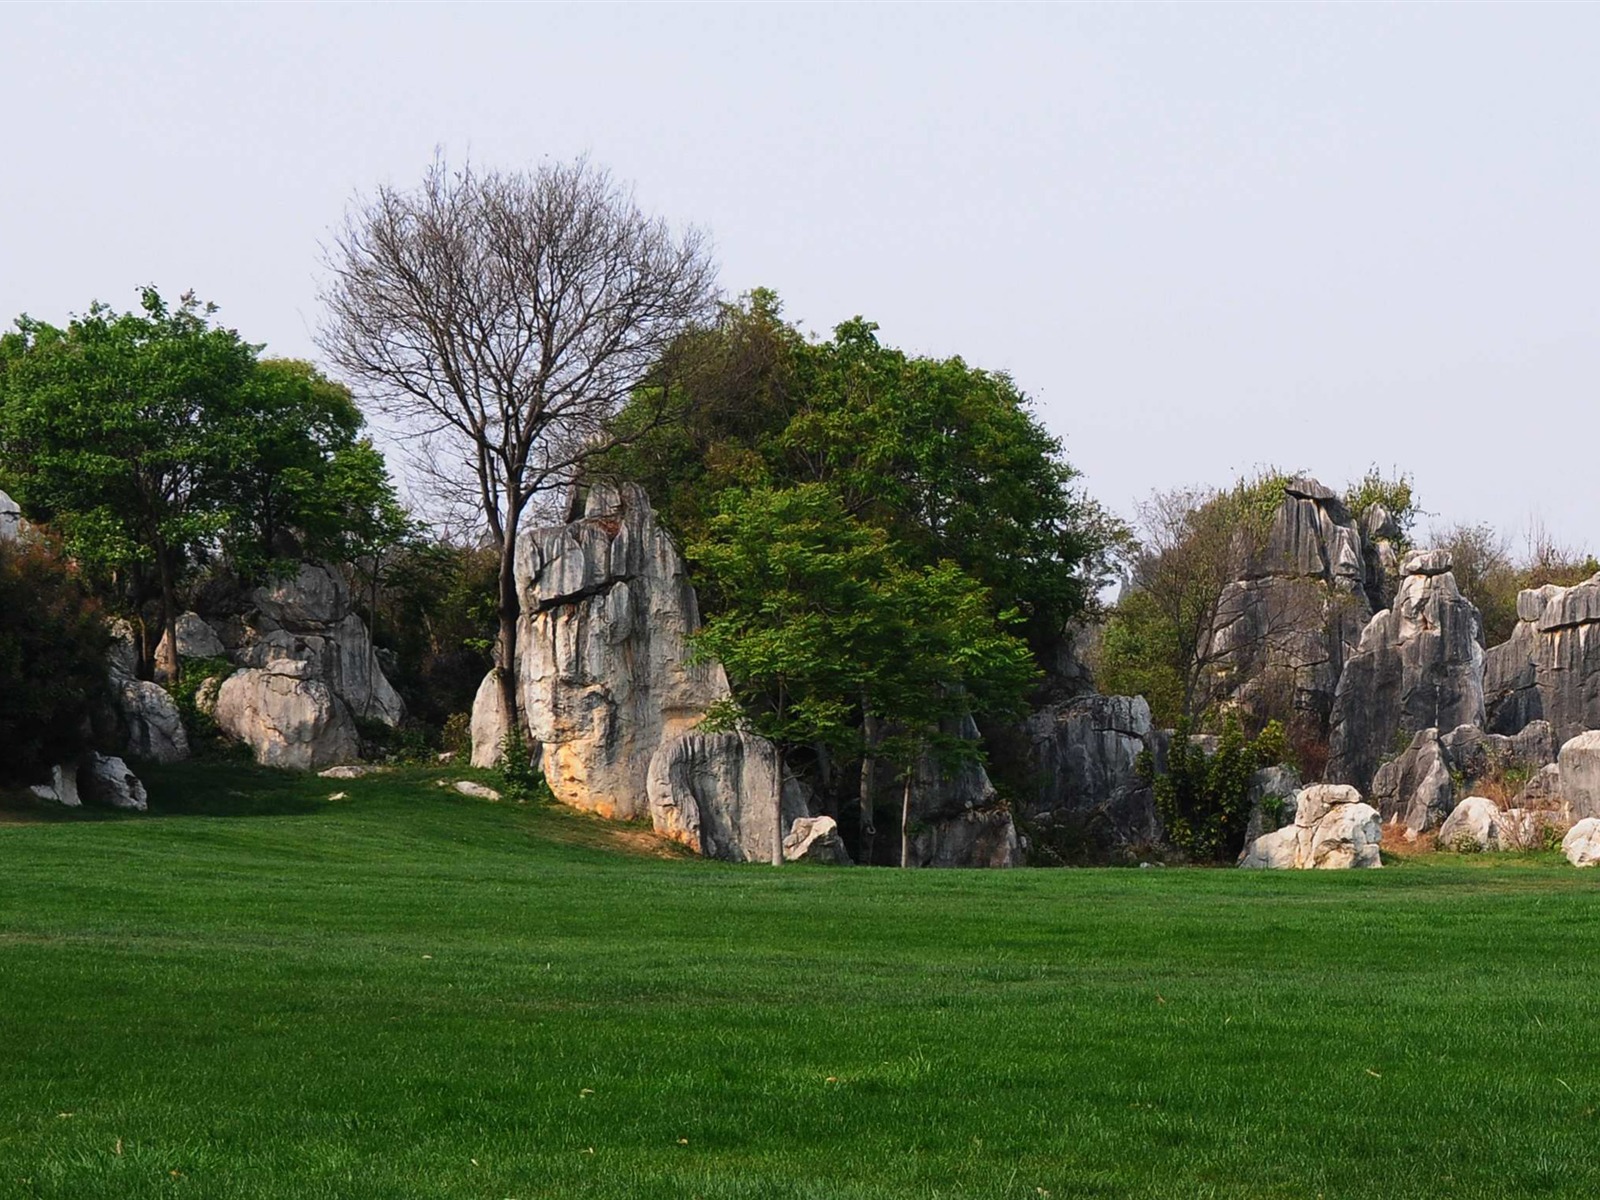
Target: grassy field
column 263, row 992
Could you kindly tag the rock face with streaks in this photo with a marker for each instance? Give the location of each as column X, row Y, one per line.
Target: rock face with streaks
column 604, row 676
column 1419, row 665
column 1418, row 789
column 287, row 720
column 717, row 794
column 1333, row 830
column 1286, row 627
column 1081, row 757
column 1549, row 669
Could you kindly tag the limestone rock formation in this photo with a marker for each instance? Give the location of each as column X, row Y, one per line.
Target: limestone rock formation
column 145, row 717
column 288, row 720
column 1273, row 803
column 1418, row 665
column 815, row 839
column 491, row 722
column 1081, row 757
column 1582, row 843
column 1550, row 667
column 1333, row 830
column 1418, row 788
column 104, row 779
column 1295, row 616
column 196, row 639
column 1580, row 774
column 604, row 675
column 1480, row 822
column 714, row 792
column 974, row 838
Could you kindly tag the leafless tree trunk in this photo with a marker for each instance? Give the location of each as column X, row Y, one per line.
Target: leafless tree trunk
column 499, row 320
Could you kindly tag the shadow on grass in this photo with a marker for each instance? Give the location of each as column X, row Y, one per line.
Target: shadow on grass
column 228, row 788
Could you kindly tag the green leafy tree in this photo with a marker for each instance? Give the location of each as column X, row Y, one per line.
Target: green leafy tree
column 154, row 440
column 821, row 624
column 947, row 459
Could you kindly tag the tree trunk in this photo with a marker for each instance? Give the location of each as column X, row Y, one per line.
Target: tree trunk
column 777, row 810
column 173, row 665
column 869, row 770
column 905, row 821
column 509, row 608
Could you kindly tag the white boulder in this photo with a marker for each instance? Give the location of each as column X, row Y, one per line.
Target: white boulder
column 286, row 720
column 62, row 788
column 491, row 721
column 815, row 839
column 1582, row 843
column 1480, row 821
column 1579, row 765
column 1334, row 829
column 107, row 780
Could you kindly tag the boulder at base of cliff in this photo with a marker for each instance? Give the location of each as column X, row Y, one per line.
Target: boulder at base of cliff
column 715, row 793
column 1580, row 774
column 1582, row 843
column 975, row 838
column 104, row 779
column 815, row 839
column 287, row 721
column 62, row 788
column 491, row 722
column 1334, row 829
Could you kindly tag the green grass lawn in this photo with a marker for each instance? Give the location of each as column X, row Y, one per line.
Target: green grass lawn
column 405, row 993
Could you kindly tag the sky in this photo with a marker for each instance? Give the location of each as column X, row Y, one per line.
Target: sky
column 1204, row 239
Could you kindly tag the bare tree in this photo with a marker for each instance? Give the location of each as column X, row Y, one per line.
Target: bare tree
column 499, row 320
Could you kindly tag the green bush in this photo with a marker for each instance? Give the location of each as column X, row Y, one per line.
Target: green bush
column 520, row 778
column 52, row 660
column 1204, row 800
column 456, row 737
column 200, row 725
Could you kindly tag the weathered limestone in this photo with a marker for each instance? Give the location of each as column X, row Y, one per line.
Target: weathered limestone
column 1582, row 843
column 1333, row 830
column 604, row 674
column 106, row 780
column 715, row 793
column 1580, row 774
column 491, row 722
column 1418, row 666
column 1082, row 755
column 1273, row 803
column 196, row 639
column 1418, row 788
column 147, row 720
column 1550, row 667
column 62, row 788
column 974, row 838
column 1482, row 823
column 815, row 839
column 288, row 721
column 1291, row 621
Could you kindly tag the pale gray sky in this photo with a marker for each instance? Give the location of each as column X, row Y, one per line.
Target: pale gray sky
column 1204, row 238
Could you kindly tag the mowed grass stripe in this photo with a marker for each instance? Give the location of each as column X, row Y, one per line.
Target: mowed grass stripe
column 275, row 994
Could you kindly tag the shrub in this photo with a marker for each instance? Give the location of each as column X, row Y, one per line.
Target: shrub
column 1204, row 800
column 200, row 725
column 52, row 660
column 520, row 779
column 456, row 737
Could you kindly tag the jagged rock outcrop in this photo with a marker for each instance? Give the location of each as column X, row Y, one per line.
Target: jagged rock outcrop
column 604, row 675
column 716, row 794
column 1580, row 774
column 815, row 839
column 287, row 719
column 955, row 818
column 196, row 639
column 106, row 780
column 1418, row 789
column 1582, row 843
column 146, row 719
column 1285, row 628
column 1418, row 665
column 1549, row 669
column 302, row 626
column 1333, row 830
column 1081, row 761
